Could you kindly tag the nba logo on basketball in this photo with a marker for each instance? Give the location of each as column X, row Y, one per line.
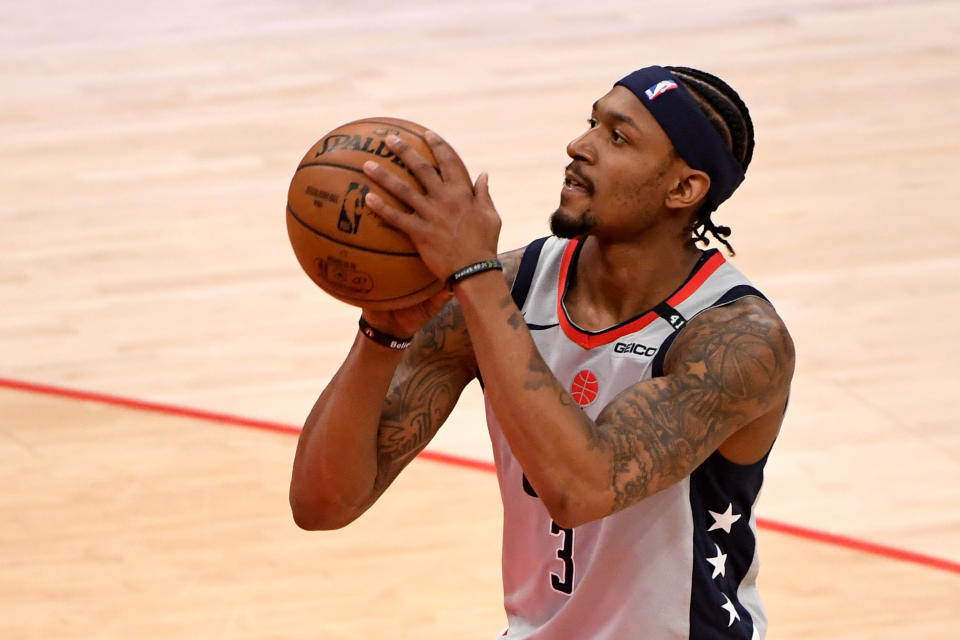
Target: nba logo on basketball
column 584, row 387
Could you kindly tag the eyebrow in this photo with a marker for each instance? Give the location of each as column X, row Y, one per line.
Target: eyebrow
column 616, row 115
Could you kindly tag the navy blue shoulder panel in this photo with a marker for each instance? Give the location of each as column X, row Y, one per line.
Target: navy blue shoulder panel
column 737, row 292
column 528, row 265
column 732, row 295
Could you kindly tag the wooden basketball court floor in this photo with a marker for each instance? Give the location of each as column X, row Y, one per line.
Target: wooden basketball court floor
column 158, row 343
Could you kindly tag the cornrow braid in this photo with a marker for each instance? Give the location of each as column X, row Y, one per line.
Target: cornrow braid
column 728, row 114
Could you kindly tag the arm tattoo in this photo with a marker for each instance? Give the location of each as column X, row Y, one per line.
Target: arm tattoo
column 540, row 374
column 727, row 368
column 424, row 391
column 516, row 321
column 421, row 404
column 435, row 335
column 516, row 318
column 428, row 384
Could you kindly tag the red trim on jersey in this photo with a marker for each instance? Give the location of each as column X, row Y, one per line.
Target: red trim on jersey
column 704, row 272
column 589, row 340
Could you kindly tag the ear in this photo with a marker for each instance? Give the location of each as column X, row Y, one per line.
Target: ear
column 689, row 190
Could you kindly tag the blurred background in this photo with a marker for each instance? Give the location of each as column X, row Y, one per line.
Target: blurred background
column 145, row 153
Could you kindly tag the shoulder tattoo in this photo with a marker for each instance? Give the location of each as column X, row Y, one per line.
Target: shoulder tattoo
column 727, row 367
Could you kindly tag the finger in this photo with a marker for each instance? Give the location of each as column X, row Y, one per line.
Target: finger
column 400, row 189
column 481, row 188
column 406, row 222
column 481, row 191
column 451, row 166
column 419, row 166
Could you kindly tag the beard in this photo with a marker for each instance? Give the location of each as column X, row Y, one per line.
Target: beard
column 563, row 225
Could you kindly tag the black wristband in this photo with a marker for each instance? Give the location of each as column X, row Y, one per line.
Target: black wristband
column 472, row 270
column 383, row 339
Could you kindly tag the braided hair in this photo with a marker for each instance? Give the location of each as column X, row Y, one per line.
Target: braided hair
column 730, row 117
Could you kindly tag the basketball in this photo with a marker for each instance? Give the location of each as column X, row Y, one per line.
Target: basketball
column 345, row 248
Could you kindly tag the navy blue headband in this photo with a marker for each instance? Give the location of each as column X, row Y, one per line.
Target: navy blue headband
column 688, row 128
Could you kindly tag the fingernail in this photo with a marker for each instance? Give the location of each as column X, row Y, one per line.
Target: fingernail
column 393, row 140
column 369, row 166
column 373, row 199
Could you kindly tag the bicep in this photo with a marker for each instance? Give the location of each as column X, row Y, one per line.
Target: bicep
column 725, row 370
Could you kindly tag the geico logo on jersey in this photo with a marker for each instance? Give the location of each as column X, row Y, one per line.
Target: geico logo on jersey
column 634, row 348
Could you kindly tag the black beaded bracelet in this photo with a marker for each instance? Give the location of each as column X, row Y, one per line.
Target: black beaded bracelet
column 472, row 270
column 383, row 339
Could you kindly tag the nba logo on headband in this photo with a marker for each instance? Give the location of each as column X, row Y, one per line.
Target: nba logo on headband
column 660, row 88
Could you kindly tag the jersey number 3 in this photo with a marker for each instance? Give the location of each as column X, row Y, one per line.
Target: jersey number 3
column 564, row 583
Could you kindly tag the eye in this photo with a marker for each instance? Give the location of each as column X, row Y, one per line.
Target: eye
column 592, row 122
column 617, row 137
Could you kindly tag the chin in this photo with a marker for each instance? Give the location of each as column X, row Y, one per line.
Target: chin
column 565, row 225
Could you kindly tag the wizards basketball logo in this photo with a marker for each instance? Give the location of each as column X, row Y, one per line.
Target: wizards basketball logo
column 584, row 388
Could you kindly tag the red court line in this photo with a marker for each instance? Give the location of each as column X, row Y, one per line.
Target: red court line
column 144, row 405
column 209, row 416
column 846, row 542
column 860, row 545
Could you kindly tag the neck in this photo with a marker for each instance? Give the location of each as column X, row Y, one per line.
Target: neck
column 617, row 281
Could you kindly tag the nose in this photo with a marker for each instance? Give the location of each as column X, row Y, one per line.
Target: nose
column 580, row 148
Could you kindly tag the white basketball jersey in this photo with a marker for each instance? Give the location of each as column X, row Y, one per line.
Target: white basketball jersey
column 679, row 564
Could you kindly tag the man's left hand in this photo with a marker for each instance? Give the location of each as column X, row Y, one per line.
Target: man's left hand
column 453, row 223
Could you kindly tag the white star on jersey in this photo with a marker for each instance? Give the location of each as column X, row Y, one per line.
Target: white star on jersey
column 724, row 520
column 719, row 563
column 732, row 610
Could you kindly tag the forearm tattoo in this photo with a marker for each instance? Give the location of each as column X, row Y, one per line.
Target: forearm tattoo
column 515, row 320
column 426, row 387
column 420, row 405
column 421, row 397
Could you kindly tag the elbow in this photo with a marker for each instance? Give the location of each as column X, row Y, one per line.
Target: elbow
column 572, row 508
column 568, row 518
column 311, row 513
column 311, row 520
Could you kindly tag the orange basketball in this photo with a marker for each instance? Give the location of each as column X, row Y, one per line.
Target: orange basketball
column 345, row 248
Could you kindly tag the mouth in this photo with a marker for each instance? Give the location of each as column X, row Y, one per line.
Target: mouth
column 574, row 183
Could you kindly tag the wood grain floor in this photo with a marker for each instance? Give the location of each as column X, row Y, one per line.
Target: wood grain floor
column 124, row 523
column 145, row 152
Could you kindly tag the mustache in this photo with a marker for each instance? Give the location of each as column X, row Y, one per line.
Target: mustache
column 574, row 168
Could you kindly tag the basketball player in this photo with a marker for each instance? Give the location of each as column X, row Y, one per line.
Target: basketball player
column 634, row 383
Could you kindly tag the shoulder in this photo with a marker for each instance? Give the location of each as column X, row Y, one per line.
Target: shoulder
column 744, row 348
column 511, row 264
column 531, row 252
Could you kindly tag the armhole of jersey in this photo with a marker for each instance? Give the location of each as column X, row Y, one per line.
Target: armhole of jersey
column 737, row 292
column 528, row 266
column 524, row 278
column 732, row 295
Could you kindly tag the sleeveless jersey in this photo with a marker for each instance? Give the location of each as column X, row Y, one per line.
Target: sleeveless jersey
column 681, row 563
